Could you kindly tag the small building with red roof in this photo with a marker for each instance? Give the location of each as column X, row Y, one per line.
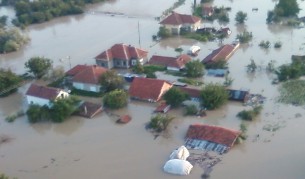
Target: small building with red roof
column 222, row 53
column 175, row 22
column 208, row 137
column 86, row 77
column 148, row 89
column 43, row 95
column 207, row 11
column 171, row 63
column 121, row 56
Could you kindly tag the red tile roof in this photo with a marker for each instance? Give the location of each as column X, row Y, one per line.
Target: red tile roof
column 122, row 51
column 124, row 119
column 176, row 62
column 89, row 110
column 214, row 134
column 76, row 70
column 148, row 88
column 90, row 75
column 44, row 92
column 195, row 93
column 179, row 19
column 222, row 53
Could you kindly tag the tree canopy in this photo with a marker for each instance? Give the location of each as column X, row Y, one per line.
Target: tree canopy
column 30, row 12
column 11, row 39
column 194, row 69
column 8, row 82
column 116, row 99
column 175, row 97
column 286, row 8
column 213, row 96
column 110, row 80
column 39, row 66
column 241, row 17
column 58, row 112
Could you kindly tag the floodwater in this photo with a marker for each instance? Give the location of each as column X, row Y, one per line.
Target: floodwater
column 99, row 148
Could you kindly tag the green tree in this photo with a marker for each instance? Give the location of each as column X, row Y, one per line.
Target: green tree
column 39, row 66
column 63, row 108
column 287, row 8
column 175, row 97
column 110, row 80
column 9, row 82
column 194, row 69
column 116, row 99
column 241, row 17
column 3, row 176
column 213, row 96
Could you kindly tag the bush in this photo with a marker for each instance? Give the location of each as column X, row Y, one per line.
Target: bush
column 160, row 122
column 164, row 33
column 213, row 96
column 278, row 44
column 264, row 44
column 191, row 110
column 115, row 99
column 220, row 64
column 175, row 97
column 249, row 115
column 245, row 37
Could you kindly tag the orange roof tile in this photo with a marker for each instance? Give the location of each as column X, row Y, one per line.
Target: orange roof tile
column 122, row 51
column 222, row 53
column 176, row 62
column 91, row 74
column 44, row 92
column 148, row 88
column 214, row 134
column 178, row 19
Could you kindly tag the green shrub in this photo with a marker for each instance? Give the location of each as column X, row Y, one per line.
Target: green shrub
column 191, row 110
column 249, row 115
column 115, row 99
column 160, row 122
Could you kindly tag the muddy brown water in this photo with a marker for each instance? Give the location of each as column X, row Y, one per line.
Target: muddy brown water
column 99, row 148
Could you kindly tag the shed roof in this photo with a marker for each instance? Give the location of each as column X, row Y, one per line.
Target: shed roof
column 214, row 134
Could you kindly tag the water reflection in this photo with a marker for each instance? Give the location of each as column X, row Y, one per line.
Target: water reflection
column 66, row 128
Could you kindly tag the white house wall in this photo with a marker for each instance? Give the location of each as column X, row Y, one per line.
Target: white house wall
column 36, row 100
column 86, row 87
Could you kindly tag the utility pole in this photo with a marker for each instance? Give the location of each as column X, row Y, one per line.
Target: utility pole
column 139, row 34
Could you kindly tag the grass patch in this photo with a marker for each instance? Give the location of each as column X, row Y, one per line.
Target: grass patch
column 292, row 92
column 190, row 81
column 12, row 117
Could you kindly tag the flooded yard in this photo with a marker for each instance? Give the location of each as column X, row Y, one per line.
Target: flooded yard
column 100, row 148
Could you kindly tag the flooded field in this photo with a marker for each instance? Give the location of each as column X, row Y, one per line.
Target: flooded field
column 99, row 148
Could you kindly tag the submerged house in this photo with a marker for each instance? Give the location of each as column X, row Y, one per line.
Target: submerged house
column 210, row 138
column 222, row 53
column 43, row 95
column 148, row 89
column 177, row 22
column 86, row 77
column 171, row 63
column 121, row 56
